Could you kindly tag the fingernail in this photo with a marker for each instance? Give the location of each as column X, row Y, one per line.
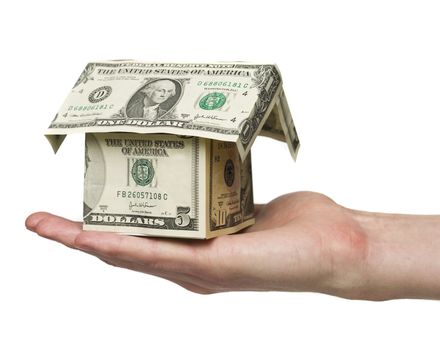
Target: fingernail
column 32, row 221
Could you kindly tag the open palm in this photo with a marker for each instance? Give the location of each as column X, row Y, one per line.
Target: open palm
column 300, row 242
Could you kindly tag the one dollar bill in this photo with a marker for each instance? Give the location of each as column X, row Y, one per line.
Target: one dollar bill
column 222, row 101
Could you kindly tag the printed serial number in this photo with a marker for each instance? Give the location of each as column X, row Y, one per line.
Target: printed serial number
column 231, row 84
column 142, row 195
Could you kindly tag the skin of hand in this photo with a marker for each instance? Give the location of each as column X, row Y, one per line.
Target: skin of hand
column 300, row 242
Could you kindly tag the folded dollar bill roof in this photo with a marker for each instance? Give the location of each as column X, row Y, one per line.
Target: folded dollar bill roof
column 224, row 101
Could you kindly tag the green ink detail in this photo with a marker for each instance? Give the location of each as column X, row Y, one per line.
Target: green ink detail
column 142, row 172
column 213, row 100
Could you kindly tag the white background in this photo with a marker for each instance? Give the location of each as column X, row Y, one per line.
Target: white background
column 363, row 82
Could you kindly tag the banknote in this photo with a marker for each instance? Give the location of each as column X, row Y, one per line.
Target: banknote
column 168, row 145
column 165, row 185
column 288, row 126
column 222, row 101
column 279, row 125
column 230, row 186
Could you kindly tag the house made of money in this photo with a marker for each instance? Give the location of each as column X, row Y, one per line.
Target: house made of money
column 168, row 145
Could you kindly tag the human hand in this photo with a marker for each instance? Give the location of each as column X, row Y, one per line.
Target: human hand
column 300, row 242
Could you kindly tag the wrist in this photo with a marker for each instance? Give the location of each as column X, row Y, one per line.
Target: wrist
column 402, row 256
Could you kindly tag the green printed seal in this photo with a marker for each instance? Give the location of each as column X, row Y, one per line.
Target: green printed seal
column 213, row 100
column 142, row 172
